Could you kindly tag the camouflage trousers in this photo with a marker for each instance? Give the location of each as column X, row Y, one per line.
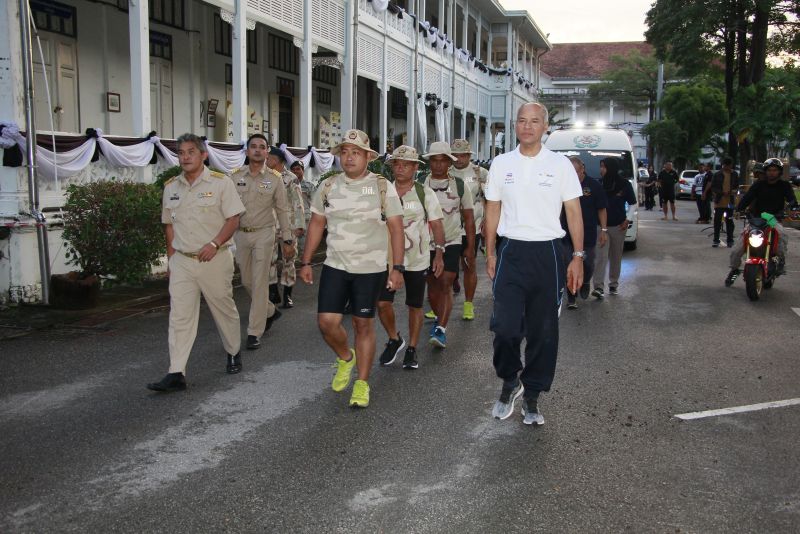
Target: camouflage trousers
column 279, row 268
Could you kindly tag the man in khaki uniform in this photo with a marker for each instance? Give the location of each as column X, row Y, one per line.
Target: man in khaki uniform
column 358, row 207
column 200, row 212
column 276, row 161
column 262, row 194
column 474, row 177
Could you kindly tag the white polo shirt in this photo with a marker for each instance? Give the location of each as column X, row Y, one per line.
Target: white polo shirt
column 532, row 191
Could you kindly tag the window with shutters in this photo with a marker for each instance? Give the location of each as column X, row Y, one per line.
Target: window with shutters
column 324, row 96
column 223, row 40
column 55, row 17
column 325, row 74
column 283, row 55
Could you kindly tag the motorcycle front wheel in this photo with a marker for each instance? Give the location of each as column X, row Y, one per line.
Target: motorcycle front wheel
column 753, row 281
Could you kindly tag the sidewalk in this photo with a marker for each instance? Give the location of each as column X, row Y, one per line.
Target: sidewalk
column 115, row 303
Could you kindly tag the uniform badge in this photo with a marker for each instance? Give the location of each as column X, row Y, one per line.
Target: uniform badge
column 206, row 194
column 174, row 196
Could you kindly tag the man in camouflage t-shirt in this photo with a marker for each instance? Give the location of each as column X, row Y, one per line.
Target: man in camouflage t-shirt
column 457, row 206
column 358, row 207
column 474, row 177
column 420, row 209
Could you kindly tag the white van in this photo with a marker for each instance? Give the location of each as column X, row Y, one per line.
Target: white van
column 592, row 145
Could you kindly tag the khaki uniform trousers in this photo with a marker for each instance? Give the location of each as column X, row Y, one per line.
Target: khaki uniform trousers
column 254, row 255
column 188, row 279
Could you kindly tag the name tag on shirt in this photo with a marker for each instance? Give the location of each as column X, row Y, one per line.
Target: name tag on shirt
column 175, row 197
column 206, row 194
column 509, row 178
column 545, row 180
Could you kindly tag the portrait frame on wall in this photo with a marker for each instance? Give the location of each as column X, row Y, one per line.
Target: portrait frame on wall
column 113, row 102
column 211, row 120
column 264, row 126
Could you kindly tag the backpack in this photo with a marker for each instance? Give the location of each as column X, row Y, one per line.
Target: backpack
column 382, row 187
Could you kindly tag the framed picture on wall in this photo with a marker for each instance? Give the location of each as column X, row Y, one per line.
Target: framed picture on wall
column 211, row 120
column 265, row 126
column 113, row 103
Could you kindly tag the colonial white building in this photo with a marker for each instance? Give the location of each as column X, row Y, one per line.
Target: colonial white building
column 570, row 69
column 299, row 71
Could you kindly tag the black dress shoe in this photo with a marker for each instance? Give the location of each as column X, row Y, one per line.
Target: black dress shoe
column 234, row 364
column 171, row 382
column 253, row 343
column 272, row 319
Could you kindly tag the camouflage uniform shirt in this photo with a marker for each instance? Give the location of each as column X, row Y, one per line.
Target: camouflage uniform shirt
column 417, row 235
column 447, row 194
column 474, row 177
column 358, row 240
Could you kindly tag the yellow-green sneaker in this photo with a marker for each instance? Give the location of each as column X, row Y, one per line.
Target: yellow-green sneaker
column 360, row 396
column 344, row 369
column 430, row 315
column 469, row 311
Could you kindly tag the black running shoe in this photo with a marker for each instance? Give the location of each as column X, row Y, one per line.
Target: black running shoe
column 410, row 360
column 392, row 350
column 584, row 291
column 732, row 276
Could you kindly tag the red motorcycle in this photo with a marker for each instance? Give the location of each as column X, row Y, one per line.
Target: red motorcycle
column 761, row 254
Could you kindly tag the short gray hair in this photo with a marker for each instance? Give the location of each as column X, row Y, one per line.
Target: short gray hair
column 191, row 138
column 579, row 161
column 540, row 106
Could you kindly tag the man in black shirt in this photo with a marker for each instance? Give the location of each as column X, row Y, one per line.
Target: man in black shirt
column 769, row 195
column 667, row 179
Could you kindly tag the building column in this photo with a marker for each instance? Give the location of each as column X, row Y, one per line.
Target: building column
column 348, row 66
column 12, row 109
column 510, row 53
column 139, row 34
column 441, row 16
column 464, row 40
column 306, row 97
column 479, row 37
column 489, row 60
column 610, row 111
column 489, row 142
column 476, row 132
column 239, row 68
column 383, row 100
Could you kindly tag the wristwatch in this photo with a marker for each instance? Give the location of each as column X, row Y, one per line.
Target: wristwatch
column 439, row 247
column 399, row 268
column 604, row 229
column 579, row 254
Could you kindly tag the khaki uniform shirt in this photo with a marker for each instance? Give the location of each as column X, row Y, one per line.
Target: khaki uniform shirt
column 447, row 194
column 263, row 197
column 475, row 178
column 197, row 212
column 358, row 240
column 417, row 234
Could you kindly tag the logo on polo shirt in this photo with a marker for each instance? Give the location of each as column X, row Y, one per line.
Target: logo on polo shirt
column 509, row 178
column 545, row 180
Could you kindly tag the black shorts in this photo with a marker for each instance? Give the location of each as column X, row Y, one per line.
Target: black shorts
column 451, row 257
column 337, row 288
column 668, row 195
column 415, row 289
column 475, row 250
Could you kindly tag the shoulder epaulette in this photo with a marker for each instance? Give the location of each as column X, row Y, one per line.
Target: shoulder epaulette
column 217, row 174
column 276, row 173
column 170, row 181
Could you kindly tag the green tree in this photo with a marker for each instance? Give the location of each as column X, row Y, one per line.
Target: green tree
column 693, row 114
column 700, row 35
column 768, row 113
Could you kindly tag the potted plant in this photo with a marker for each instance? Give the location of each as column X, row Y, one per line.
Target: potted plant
column 113, row 233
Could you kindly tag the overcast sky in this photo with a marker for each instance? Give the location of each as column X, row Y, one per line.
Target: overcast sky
column 582, row 21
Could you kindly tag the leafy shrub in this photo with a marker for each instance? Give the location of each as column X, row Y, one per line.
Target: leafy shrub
column 162, row 178
column 113, row 229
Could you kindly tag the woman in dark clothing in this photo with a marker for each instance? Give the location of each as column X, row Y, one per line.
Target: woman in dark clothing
column 619, row 192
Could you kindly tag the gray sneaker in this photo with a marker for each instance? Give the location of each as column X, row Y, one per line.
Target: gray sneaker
column 530, row 413
column 504, row 407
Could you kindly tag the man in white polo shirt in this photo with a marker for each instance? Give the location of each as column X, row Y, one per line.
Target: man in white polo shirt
column 525, row 193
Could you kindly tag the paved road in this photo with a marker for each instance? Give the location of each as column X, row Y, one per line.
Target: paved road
column 86, row 448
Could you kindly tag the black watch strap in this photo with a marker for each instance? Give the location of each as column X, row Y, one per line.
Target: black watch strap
column 399, row 267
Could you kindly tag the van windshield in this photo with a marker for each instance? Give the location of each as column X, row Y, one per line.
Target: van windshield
column 591, row 158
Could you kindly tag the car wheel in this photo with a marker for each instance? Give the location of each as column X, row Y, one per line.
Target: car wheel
column 630, row 245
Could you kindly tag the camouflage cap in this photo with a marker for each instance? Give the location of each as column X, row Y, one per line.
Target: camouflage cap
column 439, row 148
column 358, row 139
column 405, row 153
column 461, row 146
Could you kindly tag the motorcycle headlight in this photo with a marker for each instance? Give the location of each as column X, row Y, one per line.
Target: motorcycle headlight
column 756, row 238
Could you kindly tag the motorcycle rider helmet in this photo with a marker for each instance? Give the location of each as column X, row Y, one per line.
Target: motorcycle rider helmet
column 773, row 162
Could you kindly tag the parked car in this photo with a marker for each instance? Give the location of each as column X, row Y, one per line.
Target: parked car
column 685, row 183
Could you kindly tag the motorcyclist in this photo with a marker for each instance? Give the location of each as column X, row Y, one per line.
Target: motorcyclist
column 769, row 195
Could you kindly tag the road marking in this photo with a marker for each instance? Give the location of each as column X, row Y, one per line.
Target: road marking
column 796, row 310
column 738, row 409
